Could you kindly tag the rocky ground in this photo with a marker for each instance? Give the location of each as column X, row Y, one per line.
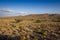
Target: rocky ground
column 30, row 27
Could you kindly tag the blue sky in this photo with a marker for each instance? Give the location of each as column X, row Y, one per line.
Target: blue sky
column 31, row 6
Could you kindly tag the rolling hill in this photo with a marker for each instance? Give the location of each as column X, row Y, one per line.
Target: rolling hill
column 30, row 27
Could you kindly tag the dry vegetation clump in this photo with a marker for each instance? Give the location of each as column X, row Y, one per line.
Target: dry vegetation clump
column 31, row 27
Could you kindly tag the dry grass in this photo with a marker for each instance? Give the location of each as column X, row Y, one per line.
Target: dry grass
column 31, row 27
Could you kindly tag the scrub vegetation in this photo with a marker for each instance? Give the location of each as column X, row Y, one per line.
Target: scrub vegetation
column 30, row 27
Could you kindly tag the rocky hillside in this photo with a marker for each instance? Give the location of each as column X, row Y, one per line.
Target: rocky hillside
column 30, row 27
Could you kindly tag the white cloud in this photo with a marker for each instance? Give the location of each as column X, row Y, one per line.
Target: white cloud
column 9, row 12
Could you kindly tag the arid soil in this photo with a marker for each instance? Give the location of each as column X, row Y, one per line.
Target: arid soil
column 30, row 27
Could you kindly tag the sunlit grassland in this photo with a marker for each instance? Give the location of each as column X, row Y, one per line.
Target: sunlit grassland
column 31, row 27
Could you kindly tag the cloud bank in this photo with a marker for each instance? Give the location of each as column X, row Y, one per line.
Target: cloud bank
column 8, row 12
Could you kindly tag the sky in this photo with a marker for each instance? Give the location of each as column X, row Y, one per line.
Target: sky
column 29, row 6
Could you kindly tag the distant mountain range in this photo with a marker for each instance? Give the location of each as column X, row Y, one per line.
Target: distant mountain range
column 11, row 13
column 17, row 13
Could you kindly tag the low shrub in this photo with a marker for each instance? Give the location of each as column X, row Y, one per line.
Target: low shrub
column 17, row 20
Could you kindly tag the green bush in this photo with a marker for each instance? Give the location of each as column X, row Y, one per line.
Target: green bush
column 17, row 20
column 38, row 21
